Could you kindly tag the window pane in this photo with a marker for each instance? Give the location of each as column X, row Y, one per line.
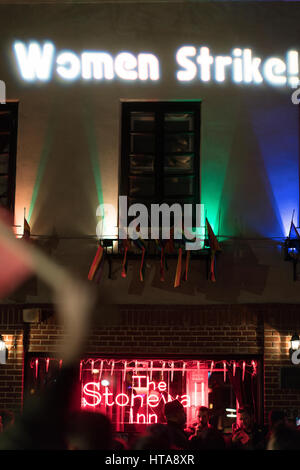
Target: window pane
column 176, row 122
column 142, row 122
column 4, row 142
column 177, row 143
column 182, row 163
column 139, row 186
column 142, row 143
column 142, row 164
column 179, row 185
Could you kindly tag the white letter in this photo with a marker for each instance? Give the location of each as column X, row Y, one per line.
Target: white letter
column 237, row 66
column 108, row 212
column 68, row 65
column 295, row 99
column 221, row 62
column 34, row 62
column 205, row 60
column 141, row 221
column 251, row 67
column 166, row 220
column 123, row 217
column 293, row 67
column 189, row 233
column 273, row 67
column 97, row 65
column 125, row 63
column 148, row 63
column 191, row 69
column 295, row 357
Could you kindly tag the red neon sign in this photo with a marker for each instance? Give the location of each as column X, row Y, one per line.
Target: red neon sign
column 136, row 391
column 92, row 390
column 143, row 399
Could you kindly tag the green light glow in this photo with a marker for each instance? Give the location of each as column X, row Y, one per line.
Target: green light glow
column 217, row 138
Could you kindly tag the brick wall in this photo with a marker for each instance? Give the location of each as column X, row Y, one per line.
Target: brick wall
column 161, row 330
column 280, row 325
column 11, row 373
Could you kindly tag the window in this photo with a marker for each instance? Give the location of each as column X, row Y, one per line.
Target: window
column 160, row 152
column 8, row 152
column 132, row 392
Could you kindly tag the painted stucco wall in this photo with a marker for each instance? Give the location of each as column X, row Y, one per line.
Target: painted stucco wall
column 69, row 141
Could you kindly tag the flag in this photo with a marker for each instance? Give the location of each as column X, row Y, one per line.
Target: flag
column 183, row 242
column 213, row 242
column 26, row 230
column 99, row 270
column 164, row 246
column 187, row 264
column 214, row 247
column 178, row 268
column 294, row 234
column 126, row 246
column 14, row 264
column 96, row 262
column 188, row 254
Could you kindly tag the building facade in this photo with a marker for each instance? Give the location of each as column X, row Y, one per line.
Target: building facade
column 161, row 102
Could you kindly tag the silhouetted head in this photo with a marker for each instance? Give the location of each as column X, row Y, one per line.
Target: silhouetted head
column 276, row 417
column 203, row 416
column 174, row 413
column 246, row 417
column 8, row 419
column 284, row 438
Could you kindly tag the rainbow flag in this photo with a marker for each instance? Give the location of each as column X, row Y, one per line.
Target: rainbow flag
column 96, row 262
column 126, row 246
column 178, row 268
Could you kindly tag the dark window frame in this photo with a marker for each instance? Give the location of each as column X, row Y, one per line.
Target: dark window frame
column 160, row 108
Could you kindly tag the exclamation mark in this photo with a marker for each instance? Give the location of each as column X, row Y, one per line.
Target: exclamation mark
column 293, row 68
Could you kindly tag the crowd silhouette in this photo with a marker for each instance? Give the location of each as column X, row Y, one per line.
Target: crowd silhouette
column 44, row 427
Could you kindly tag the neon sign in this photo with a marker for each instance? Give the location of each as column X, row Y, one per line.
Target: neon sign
column 145, row 396
column 39, row 62
column 36, row 63
column 133, row 393
column 241, row 65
